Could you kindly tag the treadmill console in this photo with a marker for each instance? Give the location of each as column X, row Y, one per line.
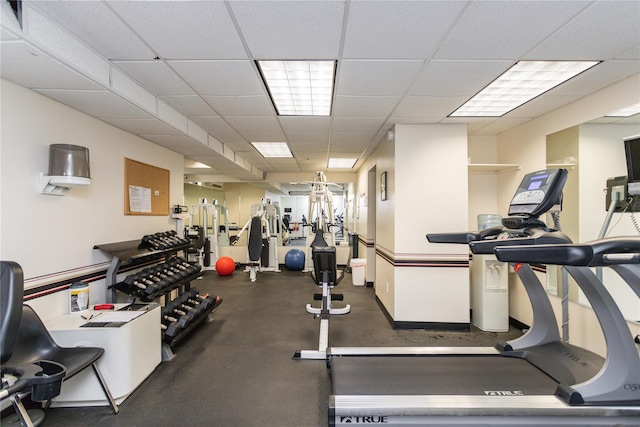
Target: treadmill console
column 538, row 193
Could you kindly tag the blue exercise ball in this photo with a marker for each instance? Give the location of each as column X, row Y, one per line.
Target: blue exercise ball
column 294, row 260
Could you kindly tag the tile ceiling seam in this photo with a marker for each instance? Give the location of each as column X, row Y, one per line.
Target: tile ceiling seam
column 25, row 36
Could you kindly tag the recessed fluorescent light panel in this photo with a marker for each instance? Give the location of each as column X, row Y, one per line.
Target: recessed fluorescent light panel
column 520, row 84
column 273, row 149
column 335, row 163
column 626, row 112
column 300, row 88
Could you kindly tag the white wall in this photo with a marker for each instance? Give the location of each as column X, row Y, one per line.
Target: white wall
column 483, row 186
column 47, row 234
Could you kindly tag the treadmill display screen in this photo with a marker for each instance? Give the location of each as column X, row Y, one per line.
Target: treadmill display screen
column 538, row 192
column 534, row 185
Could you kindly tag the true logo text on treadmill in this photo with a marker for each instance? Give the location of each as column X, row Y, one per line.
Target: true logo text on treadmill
column 363, row 420
column 503, row 393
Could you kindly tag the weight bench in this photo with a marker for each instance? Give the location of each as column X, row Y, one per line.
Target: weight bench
column 325, row 275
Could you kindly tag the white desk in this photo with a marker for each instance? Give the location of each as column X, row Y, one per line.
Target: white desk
column 132, row 352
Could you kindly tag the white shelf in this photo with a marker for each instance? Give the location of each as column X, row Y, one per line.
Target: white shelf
column 561, row 165
column 493, row 167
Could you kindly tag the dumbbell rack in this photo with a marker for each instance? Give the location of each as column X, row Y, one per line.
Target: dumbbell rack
column 138, row 252
column 172, row 341
column 132, row 253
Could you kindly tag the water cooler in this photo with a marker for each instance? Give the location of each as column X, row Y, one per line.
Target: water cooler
column 489, row 286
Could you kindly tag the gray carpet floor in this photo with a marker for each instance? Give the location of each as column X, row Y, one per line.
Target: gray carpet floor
column 237, row 370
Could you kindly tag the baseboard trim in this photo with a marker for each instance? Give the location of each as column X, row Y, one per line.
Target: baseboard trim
column 432, row 326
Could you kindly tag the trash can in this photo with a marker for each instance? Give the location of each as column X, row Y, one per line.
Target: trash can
column 358, row 266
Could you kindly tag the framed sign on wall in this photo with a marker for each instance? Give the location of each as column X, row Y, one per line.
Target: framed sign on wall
column 383, row 186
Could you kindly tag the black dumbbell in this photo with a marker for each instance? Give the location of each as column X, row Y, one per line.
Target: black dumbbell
column 133, row 280
column 181, row 320
column 186, row 299
column 143, row 283
column 171, row 329
column 161, row 283
column 181, row 309
column 202, row 299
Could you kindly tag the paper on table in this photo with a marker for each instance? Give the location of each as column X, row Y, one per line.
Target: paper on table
column 116, row 316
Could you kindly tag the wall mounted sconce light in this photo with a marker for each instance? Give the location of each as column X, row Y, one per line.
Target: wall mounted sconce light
column 68, row 167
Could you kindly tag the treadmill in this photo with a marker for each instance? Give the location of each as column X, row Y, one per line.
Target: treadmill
column 479, row 386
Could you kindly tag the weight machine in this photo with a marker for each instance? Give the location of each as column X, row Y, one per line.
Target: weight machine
column 207, row 235
column 262, row 246
column 320, row 215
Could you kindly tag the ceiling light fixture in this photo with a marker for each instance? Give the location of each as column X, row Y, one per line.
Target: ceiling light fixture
column 338, row 163
column 520, row 84
column 300, row 88
column 627, row 111
column 272, row 149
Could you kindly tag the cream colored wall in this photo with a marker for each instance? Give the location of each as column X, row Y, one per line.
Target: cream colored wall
column 431, row 186
column 483, row 186
column 48, row 235
column 525, row 145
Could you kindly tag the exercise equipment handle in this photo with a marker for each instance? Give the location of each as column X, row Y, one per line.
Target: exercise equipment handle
column 526, row 237
column 614, row 250
column 546, row 254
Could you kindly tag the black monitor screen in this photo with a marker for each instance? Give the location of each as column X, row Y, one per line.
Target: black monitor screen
column 632, row 150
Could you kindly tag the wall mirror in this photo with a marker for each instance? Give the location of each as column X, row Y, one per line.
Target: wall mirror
column 593, row 152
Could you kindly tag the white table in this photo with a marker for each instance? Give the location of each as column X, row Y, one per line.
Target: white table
column 132, row 352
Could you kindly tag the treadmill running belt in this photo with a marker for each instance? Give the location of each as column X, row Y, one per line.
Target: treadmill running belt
column 438, row 375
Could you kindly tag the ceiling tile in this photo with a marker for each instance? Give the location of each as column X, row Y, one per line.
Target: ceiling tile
column 290, row 29
column 205, row 28
column 189, row 105
column 397, row 29
column 318, row 149
column 350, row 139
column 253, row 105
column 428, row 106
column 362, row 124
column 604, row 30
column 305, row 124
column 382, row 78
column 364, row 106
column 263, row 136
column 156, row 76
column 295, row 138
column 254, row 123
column 452, row 78
column 221, row 78
column 505, row 29
column 90, row 21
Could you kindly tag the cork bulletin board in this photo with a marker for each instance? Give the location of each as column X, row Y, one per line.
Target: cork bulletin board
column 146, row 189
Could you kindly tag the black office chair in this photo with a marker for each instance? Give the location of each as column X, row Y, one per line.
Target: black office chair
column 41, row 378
column 33, row 343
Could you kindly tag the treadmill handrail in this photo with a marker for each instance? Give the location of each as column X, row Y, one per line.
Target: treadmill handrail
column 466, row 236
column 530, row 236
column 597, row 253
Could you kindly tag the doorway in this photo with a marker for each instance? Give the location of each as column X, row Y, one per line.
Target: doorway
column 371, row 226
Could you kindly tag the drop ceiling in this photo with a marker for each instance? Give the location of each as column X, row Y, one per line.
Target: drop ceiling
column 182, row 74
